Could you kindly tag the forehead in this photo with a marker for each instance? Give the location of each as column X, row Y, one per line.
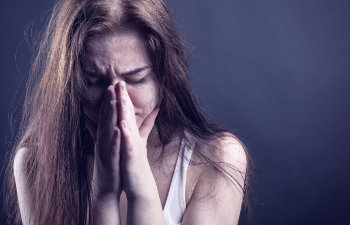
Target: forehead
column 120, row 50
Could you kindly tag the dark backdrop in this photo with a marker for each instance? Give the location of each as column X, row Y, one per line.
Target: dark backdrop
column 276, row 72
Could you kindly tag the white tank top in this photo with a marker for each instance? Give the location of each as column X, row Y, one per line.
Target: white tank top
column 175, row 204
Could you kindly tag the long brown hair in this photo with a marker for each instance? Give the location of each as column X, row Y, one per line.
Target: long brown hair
column 52, row 124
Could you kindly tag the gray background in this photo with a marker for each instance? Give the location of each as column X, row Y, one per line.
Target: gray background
column 276, row 72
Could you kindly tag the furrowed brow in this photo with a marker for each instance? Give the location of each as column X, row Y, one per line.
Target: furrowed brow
column 134, row 71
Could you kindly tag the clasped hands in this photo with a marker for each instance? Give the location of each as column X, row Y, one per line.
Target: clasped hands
column 121, row 147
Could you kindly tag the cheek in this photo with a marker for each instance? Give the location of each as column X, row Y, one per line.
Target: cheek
column 144, row 101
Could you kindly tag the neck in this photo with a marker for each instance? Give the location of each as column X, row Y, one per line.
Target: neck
column 154, row 145
column 153, row 140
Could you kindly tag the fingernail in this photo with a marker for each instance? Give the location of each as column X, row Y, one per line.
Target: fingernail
column 122, row 85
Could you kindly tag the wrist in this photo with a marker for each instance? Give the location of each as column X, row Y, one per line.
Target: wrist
column 100, row 193
column 143, row 185
column 147, row 193
column 105, row 197
column 104, row 183
column 146, row 199
column 105, row 208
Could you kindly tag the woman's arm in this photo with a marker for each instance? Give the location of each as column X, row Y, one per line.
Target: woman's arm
column 106, row 174
column 105, row 210
column 105, row 201
column 144, row 206
column 217, row 199
column 105, row 207
column 106, row 180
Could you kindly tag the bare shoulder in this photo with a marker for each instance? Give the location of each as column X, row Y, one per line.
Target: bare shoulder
column 225, row 151
column 19, row 164
column 220, row 163
column 24, row 196
column 232, row 151
column 218, row 192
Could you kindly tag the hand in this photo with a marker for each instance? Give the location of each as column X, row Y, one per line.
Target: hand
column 106, row 176
column 137, row 177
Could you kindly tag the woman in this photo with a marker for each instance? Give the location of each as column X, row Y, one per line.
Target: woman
column 111, row 132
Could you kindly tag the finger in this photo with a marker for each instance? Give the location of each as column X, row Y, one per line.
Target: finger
column 126, row 136
column 148, row 123
column 109, row 150
column 116, row 142
column 113, row 113
column 108, row 113
column 126, row 108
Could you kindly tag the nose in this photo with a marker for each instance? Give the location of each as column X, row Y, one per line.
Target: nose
column 113, row 75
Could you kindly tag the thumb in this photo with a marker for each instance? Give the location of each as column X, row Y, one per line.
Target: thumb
column 148, row 123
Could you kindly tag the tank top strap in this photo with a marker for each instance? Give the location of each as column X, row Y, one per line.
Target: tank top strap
column 175, row 205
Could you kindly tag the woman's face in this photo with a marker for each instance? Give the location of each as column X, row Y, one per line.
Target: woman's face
column 113, row 57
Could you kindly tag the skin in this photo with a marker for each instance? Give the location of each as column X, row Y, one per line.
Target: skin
column 120, row 108
column 114, row 57
column 120, row 121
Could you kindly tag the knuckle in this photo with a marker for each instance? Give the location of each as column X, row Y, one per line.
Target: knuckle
column 112, row 103
column 123, row 101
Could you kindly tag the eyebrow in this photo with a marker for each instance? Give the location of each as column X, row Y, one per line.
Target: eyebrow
column 134, row 71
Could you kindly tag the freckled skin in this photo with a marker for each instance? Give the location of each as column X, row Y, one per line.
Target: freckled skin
column 108, row 58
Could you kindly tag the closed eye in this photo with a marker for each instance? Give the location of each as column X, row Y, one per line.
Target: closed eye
column 136, row 82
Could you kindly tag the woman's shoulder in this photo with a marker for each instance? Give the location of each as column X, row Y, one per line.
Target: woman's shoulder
column 220, row 161
column 24, row 196
column 233, row 151
column 226, row 148
column 218, row 179
column 19, row 164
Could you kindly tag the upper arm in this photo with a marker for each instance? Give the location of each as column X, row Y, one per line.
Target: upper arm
column 216, row 198
column 24, row 196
